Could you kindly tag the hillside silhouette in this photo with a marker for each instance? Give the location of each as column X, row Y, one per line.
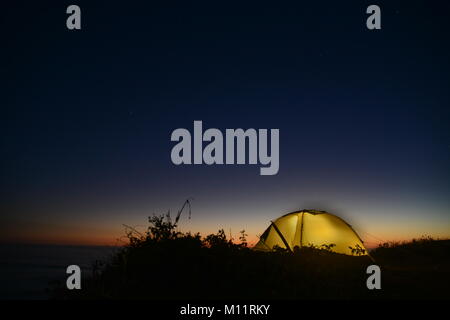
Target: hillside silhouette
column 166, row 264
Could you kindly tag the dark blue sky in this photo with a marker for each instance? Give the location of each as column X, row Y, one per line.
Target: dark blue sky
column 87, row 115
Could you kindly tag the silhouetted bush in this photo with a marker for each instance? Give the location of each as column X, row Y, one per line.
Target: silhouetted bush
column 164, row 263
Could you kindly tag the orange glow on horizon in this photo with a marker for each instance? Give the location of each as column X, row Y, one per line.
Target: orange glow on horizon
column 113, row 240
column 373, row 230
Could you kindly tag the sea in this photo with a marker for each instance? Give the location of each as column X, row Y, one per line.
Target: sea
column 26, row 271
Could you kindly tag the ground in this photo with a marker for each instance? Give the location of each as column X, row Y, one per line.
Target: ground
column 168, row 265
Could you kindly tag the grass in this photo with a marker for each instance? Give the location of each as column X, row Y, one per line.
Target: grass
column 165, row 264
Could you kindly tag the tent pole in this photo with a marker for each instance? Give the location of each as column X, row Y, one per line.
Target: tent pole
column 282, row 237
column 301, row 229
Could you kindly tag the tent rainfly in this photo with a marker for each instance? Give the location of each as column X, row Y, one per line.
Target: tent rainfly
column 307, row 228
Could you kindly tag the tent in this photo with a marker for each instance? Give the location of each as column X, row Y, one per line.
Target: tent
column 311, row 228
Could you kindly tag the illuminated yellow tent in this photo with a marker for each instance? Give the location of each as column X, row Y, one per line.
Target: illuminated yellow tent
column 307, row 228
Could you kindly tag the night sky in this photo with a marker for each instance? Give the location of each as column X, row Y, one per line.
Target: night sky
column 87, row 115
